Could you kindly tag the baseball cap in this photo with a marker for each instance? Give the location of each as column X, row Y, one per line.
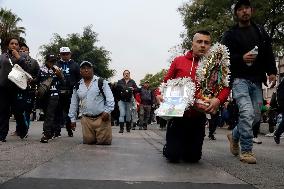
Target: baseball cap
column 64, row 50
column 50, row 58
column 240, row 3
column 86, row 63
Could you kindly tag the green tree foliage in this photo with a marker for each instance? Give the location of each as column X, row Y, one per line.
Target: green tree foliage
column 9, row 27
column 83, row 47
column 217, row 16
column 154, row 80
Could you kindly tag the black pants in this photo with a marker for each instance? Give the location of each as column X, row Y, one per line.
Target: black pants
column 63, row 110
column 280, row 128
column 50, row 125
column 255, row 129
column 7, row 96
column 19, row 109
column 213, row 123
column 162, row 122
column 184, row 139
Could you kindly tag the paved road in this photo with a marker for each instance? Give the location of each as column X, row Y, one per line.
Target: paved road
column 134, row 160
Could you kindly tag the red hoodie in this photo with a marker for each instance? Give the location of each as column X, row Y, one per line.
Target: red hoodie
column 185, row 66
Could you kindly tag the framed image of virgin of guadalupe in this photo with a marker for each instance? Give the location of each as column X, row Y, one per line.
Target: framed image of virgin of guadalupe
column 178, row 95
column 212, row 74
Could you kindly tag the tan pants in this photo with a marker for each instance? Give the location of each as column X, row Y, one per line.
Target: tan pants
column 96, row 131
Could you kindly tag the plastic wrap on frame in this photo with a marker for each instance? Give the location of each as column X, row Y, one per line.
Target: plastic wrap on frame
column 187, row 99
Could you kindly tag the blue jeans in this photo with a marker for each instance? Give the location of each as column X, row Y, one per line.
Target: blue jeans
column 124, row 111
column 249, row 99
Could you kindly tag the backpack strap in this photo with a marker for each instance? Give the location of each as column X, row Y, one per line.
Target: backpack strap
column 100, row 85
column 76, row 86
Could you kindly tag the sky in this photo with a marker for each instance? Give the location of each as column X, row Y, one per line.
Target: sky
column 138, row 33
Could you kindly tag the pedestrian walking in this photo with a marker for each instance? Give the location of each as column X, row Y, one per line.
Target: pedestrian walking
column 251, row 58
column 147, row 100
column 24, row 105
column 50, row 79
column 126, row 87
column 280, row 107
column 8, row 90
column 71, row 72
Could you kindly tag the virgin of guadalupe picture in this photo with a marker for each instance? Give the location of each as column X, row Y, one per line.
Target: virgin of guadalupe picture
column 213, row 72
column 178, row 95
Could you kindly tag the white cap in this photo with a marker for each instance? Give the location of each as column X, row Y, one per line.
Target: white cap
column 64, row 50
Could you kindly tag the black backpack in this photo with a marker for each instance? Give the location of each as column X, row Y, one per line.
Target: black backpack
column 100, row 85
column 280, row 95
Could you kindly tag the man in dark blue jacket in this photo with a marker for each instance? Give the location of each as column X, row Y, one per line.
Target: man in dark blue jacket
column 50, row 71
column 72, row 76
column 252, row 60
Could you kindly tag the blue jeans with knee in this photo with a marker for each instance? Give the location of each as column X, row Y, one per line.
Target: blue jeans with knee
column 248, row 96
column 124, row 111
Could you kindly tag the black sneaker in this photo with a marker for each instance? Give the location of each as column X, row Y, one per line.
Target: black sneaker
column 70, row 133
column 277, row 139
column 56, row 135
column 44, row 139
column 212, row 137
column 3, row 140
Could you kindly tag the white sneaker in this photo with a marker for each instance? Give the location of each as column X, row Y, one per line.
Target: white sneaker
column 256, row 140
column 269, row 135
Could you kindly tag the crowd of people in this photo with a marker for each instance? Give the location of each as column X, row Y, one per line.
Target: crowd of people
column 67, row 90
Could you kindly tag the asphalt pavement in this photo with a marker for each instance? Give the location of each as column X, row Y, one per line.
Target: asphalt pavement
column 134, row 160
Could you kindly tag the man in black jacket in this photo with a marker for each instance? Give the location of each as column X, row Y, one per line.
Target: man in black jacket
column 252, row 60
column 72, row 76
column 126, row 86
column 24, row 104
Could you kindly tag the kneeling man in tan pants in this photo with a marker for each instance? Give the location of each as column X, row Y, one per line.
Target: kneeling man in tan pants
column 95, row 102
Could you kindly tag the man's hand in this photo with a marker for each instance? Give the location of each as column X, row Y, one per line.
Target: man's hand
column 272, row 80
column 159, row 99
column 16, row 54
column 249, row 58
column 105, row 116
column 73, row 126
column 214, row 104
column 57, row 71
